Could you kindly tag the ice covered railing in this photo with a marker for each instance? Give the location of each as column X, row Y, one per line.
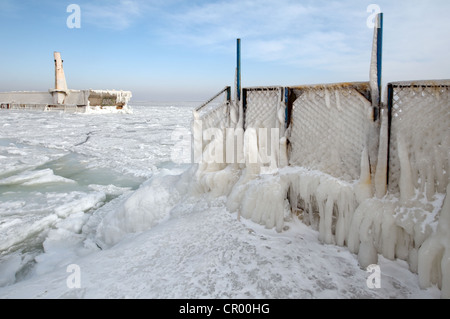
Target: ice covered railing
column 215, row 113
column 330, row 127
column 265, row 107
column 419, row 127
column 340, row 157
column 418, row 118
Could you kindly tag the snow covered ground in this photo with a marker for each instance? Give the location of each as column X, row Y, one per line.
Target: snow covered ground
column 101, row 192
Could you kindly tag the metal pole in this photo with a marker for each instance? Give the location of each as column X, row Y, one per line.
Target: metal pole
column 286, row 101
column 390, row 105
column 239, row 69
column 380, row 54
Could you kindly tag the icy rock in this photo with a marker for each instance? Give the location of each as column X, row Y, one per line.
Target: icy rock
column 141, row 211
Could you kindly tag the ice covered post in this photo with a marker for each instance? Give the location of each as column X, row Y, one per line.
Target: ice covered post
column 238, row 70
column 375, row 87
column 376, row 63
column 60, row 91
column 238, row 103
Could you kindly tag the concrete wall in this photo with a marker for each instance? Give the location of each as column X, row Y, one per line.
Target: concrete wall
column 77, row 97
column 26, row 98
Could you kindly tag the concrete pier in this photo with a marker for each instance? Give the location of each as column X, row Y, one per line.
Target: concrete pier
column 63, row 99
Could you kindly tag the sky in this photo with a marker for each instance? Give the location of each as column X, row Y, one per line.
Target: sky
column 185, row 50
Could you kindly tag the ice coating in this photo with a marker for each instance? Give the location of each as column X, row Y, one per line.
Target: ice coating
column 141, row 211
column 420, row 134
column 330, row 128
column 434, row 255
column 344, row 213
column 175, row 236
column 352, row 209
column 380, row 178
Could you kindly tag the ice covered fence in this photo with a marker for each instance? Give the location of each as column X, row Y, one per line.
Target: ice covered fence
column 340, row 158
column 420, row 135
column 330, row 128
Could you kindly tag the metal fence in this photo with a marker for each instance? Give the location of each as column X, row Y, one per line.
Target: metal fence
column 419, row 142
column 262, row 106
column 215, row 113
column 329, row 127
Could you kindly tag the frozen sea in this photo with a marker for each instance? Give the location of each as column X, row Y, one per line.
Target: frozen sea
column 64, row 181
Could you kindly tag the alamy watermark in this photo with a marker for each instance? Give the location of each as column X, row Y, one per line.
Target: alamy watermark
column 74, row 279
column 228, row 146
column 374, row 10
column 74, row 19
column 374, row 279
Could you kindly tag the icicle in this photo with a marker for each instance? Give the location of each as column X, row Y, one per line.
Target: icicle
column 338, row 100
column 441, row 178
column 368, row 254
column 430, row 190
column 381, row 172
column 364, row 188
column 340, row 227
column 281, row 114
column 326, row 198
column 234, row 115
column 328, row 99
column 434, row 255
column 354, row 236
column 406, row 181
column 389, row 233
column 284, row 162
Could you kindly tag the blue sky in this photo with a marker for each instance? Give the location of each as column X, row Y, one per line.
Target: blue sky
column 164, row 50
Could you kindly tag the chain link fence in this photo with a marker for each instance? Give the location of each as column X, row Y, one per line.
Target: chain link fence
column 419, row 135
column 262, row 106
column 329, row 128
column 215, row 113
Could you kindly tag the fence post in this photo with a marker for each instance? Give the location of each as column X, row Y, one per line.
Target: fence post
column 380, row 54
column 286, row 101
column 390, row 104
column 376, row 66
column 238, row 75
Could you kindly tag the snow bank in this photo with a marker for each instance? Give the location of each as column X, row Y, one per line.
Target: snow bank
column 142, row 210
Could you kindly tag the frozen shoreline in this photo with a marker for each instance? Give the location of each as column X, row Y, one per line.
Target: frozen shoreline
column 177, row 245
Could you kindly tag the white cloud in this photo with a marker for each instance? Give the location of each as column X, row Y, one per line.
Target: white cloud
column 117, row 15
column 216, row 22
column 329, row 35
column 305, row 34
